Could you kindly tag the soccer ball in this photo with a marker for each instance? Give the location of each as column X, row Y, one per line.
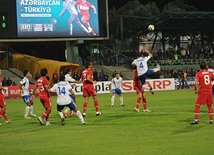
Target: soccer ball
column 151, row 27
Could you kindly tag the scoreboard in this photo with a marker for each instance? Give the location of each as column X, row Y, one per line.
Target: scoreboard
column 57, row 20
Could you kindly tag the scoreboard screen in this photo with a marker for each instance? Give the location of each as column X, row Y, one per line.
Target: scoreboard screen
column 53, row 20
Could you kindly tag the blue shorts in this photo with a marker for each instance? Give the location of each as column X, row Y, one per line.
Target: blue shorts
column 26, row 99
column 71, row 106
column 145, row 75
column 116, row 91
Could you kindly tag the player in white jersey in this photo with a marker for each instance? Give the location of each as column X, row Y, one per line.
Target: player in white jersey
column 69, row 5
column 24, row 86
column 116, row 88
column 72, row 81
column 63, row 90
column 142, row 67
column 210, row 69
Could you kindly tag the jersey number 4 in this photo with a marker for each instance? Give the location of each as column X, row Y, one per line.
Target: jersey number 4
column 141, row 65
column 61, row 90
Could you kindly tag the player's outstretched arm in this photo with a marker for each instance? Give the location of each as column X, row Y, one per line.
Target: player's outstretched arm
column 147, row 51
column 94, row 8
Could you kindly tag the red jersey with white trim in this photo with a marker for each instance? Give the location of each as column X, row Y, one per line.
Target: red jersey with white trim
column 136, row 80
column 1, row 85
column 42, row 83
column 84, row 7
column 205, row 78
column 85, row 73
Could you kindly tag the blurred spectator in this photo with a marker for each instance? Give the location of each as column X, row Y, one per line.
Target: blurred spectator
column 114, row 74
column 4, row 82
column 55, row 77
column 9, row 82
column 102, row 75
column 76, row 76
column 13, row 84
column 121, row 74
column 95, row 75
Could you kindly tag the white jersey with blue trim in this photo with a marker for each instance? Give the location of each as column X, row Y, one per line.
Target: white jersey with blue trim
column 25, row 86
column 116, row 83
column 69, row 78
column 141, row 64
column 63, row 90
column 69, row 5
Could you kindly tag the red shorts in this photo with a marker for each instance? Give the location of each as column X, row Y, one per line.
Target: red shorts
column 46, row 102
column 85, row 17
column 138, row 90
column 88, row 90
column 204, row 98
column 2, row 101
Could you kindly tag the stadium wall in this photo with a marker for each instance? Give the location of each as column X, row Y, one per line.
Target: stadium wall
column 103, row 87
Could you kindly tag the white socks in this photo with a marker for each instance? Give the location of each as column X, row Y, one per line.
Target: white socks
column 31, row 109
column 27, row 109
column 80, row 116
column 121, row 100
column 112, row 100
column 60, row 114
column 146, row 87
column 71, row 29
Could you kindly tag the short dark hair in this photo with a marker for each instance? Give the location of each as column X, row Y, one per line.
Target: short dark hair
column 145, row 54
column 25, row 72
column 87, row 64
column 62, row 77
column 66, row 70
column 43, row 72
column 203, row 65
column 140, row 54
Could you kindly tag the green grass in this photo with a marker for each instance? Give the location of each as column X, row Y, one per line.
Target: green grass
column 119, row 130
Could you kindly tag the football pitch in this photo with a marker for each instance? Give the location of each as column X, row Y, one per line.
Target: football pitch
column 119, row 131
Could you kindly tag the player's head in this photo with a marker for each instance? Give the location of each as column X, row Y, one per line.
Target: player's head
column 43, row 72
column 26, row 73
column 145, row 54
column 62, row 77
column 67, row 71
column 117, row 75
column 203, row 65
column 88, row 65
column 140, row 54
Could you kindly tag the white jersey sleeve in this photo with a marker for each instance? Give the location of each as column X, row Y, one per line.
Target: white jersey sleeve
column 25, row 86
column 69, row 78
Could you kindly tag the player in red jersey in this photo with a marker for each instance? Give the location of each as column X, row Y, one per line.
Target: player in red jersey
column 83, row 8
column 140, row 92
column 88, row 89
column 2, row 102
column 203, row 89
column 42, row 86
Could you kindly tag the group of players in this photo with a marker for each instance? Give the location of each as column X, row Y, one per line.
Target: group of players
column 82, row 8
column 66, row 97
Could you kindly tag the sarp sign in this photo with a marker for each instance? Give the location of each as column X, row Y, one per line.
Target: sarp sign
column 103, row 87
column 156, row 84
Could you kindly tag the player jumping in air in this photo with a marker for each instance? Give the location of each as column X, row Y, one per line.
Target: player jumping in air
column 24, row 86
column 64, row 90
column 203, row 89
column 42, row 85
column 83, row 8
column 116, row 88
column 142, row 67
column 3, row 103
column 70, row 7
column 140, row 92
column 88, row 89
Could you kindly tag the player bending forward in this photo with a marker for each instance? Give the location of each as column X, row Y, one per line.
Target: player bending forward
column 142, row 68
column 140, row 92
column 116, row 88
column 88, row 89
column 42, row 85
column 24, row 86
column 203, row 89
column 64, row 90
